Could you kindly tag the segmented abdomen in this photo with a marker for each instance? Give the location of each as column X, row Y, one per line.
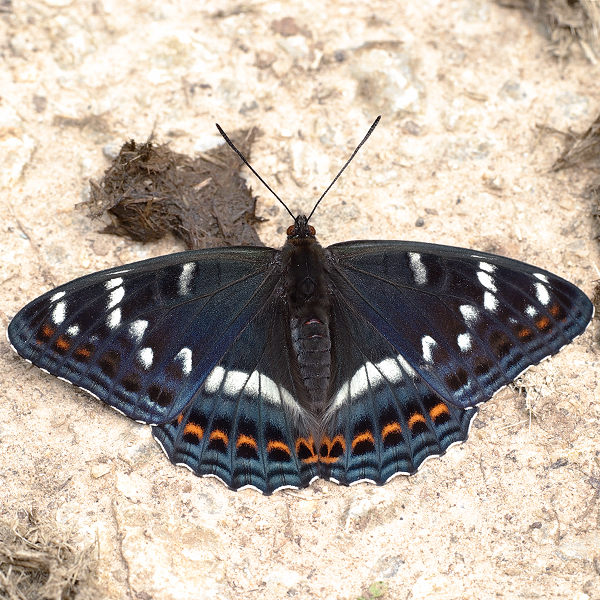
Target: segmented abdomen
column 312, row 345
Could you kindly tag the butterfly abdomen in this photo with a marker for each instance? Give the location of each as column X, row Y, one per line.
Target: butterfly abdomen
column 303, row 262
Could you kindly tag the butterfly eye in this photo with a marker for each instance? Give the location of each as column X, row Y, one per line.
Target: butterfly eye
column 312, row 230
column 290, row 230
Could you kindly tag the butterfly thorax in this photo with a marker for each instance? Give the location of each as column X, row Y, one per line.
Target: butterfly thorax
column 309, row 310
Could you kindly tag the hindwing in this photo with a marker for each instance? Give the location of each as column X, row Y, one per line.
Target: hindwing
column 245, row 424
column 383, row 418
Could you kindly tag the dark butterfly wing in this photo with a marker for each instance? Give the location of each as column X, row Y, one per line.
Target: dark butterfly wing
column 244, row 424
column 383, row 419
column 143, row 338
column 199, row 345
column 467, row 322
column 422, row 333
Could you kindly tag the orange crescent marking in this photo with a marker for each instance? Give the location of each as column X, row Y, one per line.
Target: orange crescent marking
column 180, row 418
column 391, row 428
column 313, row 458
column 246, row 440
column 217, row 434
column 416, row 418
column 276, row 445
column 192, row 429
column 437, row 410
column 524, row 332
column 554, row 310
column 63, row 343
column 366, row 436
column 542, row 323
column 46, row 332
column 82, row 351
column 330, row 443
column 309, row 444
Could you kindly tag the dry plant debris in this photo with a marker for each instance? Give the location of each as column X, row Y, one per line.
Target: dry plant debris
column 568, row 21
column 150, row 191
column 583, row 150
column 39, row 560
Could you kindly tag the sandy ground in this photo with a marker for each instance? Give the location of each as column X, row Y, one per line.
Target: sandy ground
column 458, row 159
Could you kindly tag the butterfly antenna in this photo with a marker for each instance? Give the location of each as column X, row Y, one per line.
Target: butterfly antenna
column 371, row 129
column 252, row 168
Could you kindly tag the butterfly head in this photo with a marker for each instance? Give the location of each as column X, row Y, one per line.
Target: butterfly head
column 300, row 229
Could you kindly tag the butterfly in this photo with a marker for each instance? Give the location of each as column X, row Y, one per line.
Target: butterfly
column 270, row 368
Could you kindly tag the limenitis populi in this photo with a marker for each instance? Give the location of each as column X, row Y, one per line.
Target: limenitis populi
column 269, row 368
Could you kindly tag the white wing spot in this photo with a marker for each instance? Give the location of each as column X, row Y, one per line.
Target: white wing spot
column 428, row 345
column 257, row 385
column 404, row 364
column 541, row 291
column 186, row 278
column 531, row 311
column 185, row 356
column 487, row 267
column 137, row 329
column 486, row 281
column 341, row 397
column 541, row 277
column 263, row 387
column 115, row 297
column 360, row 381
column 56, row 296
column 469, row 313
column 114, row 319
column 59, row 313
column 113, row 283
column 464, row 341
column 390, row 370
column 213, row 382
column 73, row 330
column 490, row 302
column 418, row 268
column 254, row 388
column 146, row 356
column 367, row 376
column 234, row 382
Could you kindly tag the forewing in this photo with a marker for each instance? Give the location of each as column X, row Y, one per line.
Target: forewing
column 144, row 337
column 466, row 322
